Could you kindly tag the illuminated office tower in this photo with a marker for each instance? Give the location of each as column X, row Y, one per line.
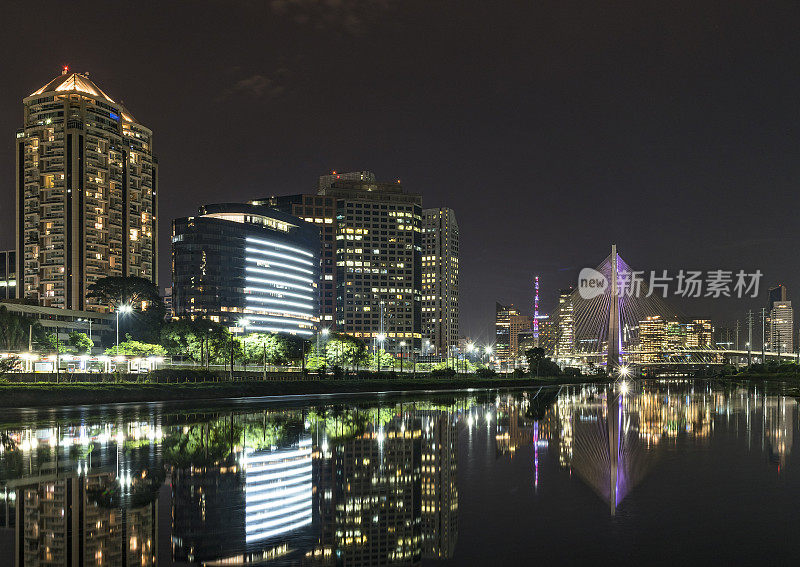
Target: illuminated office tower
column 320, row 211
column 246, row 266
column 86, row 194
column 503, row 347
column 440, row 278
column 565, row 340
column 547, row 335
column 699, row 334
column 520, row 326
column 781, row 325
column 652, row 338
column 378, row 259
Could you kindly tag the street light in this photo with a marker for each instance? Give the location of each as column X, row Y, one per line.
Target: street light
column 402, row 346
column 89, row 321
column 324, row 332
column 380, row 337
column 121, row 309
column 243, row 323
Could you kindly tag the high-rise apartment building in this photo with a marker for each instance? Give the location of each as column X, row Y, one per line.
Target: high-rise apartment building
column 378, row 251
column 8, row 274
column 781, row 325
column 86, row 193
column 440, row 278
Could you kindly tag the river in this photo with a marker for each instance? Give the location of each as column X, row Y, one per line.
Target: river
column 677, row 473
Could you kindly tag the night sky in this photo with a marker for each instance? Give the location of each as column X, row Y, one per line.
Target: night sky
column 552, row 128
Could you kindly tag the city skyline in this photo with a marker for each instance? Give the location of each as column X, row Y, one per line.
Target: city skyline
column 581, row 137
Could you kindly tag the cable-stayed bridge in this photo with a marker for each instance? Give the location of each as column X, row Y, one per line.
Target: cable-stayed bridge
column 614, row 320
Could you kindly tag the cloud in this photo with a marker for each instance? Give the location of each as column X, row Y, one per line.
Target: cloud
column 257, row 86
column 348, row 16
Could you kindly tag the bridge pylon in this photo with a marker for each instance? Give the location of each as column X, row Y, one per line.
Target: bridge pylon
column 612, row 361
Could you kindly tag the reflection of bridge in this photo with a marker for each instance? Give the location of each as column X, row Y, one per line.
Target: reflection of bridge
column 627, row 323
column 612, row 437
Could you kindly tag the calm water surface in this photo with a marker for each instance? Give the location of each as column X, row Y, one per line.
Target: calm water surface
column 679, row 473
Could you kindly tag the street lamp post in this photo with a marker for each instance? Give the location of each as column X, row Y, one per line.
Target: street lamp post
column 89, row 322
column 121, row 309
column 324, row 332
column 380, row 337
column 402, row 348
column 243, row 323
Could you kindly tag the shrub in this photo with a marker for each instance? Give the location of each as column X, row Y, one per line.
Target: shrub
column 443, row 372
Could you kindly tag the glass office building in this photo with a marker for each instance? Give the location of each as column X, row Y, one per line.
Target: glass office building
column 247, row 266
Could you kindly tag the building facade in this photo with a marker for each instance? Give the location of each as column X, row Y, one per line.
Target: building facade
column 8, row 274
column 565, row 339
column 86, row 194
column 504, row 351
column 320, row 211
column 781, row 325
column 440, row 278
column 248, row 267
column 378, row 255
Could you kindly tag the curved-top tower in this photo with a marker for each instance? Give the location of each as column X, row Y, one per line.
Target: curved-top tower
column 86, row 193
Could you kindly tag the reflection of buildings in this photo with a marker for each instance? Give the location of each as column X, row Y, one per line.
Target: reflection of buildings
column 611, row 441
column 439, row 486
column 370, row 497
column 243, row 510
column 779, row 420
column 208, row 510
column 278, row 491
column 388, row 495
column 65, row 522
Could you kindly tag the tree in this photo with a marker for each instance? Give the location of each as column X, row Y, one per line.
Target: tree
column 539, row 364
column 15, row 328
column 131, row 347
column 51, row 343
column 142, row 295
column 80, row 343
column 265, row 348
column 346, row 351
column 202, row 340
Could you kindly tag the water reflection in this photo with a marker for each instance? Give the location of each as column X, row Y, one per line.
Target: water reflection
column 337, row 484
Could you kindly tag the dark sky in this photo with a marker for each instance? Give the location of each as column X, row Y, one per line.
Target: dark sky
column 552, row 128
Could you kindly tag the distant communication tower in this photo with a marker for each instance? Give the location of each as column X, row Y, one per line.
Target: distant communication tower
column 536, row 311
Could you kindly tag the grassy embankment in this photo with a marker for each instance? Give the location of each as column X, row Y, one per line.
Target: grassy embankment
column 79, row 393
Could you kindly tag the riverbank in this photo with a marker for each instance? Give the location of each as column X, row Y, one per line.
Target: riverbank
column 81, row 393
